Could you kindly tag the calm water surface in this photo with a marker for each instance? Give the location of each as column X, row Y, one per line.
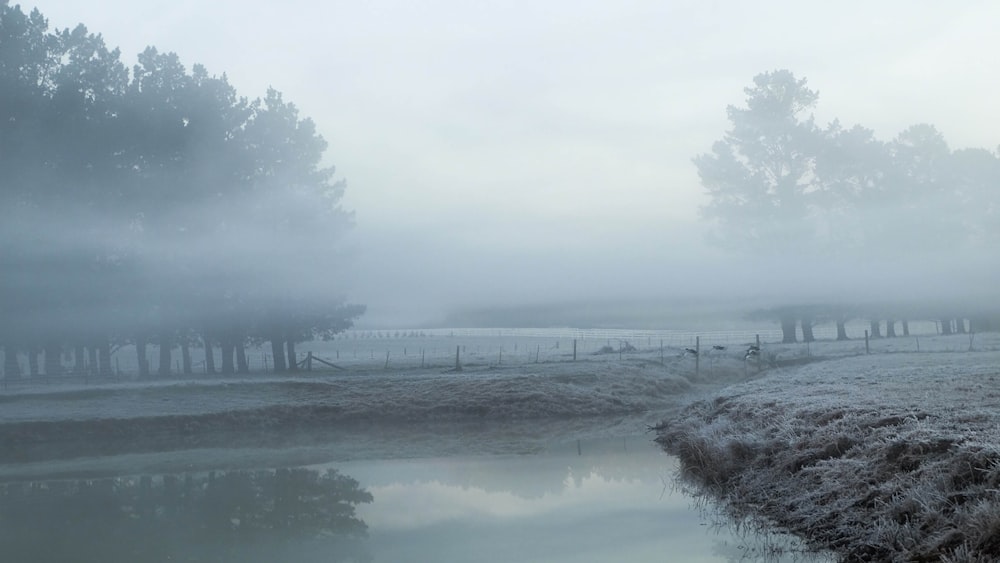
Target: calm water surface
column 602, row 499
column 596, row 501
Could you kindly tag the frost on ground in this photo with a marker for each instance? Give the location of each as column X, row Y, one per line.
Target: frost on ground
column 266, row 420
column 889, row 457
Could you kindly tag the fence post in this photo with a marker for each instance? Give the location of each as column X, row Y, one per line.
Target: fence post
column 458, row 365
column 697, row 354
column 574, row 349
column 757, row 341
column 386, row 359
column 867, row 351
column 309, row 360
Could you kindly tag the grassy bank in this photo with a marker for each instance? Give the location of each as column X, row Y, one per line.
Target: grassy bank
column 893, row 457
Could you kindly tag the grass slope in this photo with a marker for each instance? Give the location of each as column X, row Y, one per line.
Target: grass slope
column 892, row 457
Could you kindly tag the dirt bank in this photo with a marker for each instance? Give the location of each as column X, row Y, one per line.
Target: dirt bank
column 892, row 457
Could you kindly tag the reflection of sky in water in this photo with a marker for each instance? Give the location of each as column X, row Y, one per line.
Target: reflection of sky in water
column 608, row 505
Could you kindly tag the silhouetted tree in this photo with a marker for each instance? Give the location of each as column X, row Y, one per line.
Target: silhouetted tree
column 165, row 178
column 760, row 176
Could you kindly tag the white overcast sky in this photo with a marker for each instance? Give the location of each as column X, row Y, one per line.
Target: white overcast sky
column 537, row 150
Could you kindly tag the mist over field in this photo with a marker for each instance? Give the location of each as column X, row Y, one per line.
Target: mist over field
column 435, row 241
column 449, row 164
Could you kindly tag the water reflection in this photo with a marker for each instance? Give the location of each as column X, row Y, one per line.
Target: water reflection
column 609, row 500
column 596, row 501
column 246, row 516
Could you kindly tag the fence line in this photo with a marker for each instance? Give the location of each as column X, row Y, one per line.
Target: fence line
column 432, row 348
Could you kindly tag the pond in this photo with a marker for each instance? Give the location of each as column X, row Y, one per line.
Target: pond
column 607, row 499
column 598, row 499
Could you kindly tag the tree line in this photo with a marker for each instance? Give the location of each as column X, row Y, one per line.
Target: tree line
column 779, row 182
column 920, row 219
column 156, row 205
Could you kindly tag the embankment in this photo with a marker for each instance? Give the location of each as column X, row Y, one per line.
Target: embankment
column 894, row 457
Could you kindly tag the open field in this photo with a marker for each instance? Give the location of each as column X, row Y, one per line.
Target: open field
column 892, row 456
column 406, row 349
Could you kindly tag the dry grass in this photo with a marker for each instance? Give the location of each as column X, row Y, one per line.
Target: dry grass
column 858, row 456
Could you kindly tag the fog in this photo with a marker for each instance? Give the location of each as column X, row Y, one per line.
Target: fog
column 507, row 156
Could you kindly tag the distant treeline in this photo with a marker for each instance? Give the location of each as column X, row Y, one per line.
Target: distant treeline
column 779, row 183
column 891, row 316
column 155, row 205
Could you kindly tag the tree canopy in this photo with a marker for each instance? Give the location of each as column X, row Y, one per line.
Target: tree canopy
column 779, row 183
column 155, row 203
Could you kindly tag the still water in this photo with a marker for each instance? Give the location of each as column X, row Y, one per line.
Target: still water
column 606, row 499
column 596, row 501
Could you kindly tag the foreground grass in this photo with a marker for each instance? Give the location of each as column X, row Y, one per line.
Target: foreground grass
column 876, row 458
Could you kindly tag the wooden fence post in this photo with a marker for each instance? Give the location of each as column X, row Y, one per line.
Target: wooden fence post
column 697, row 354
column 759, row 354
column 574, row 349
column 867, row 350
column 458, row 365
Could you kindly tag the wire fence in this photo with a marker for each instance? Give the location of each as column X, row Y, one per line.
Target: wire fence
column 402, row 349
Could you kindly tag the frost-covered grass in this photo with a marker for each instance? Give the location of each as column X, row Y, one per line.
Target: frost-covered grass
column 361, row 412
column 883, row 457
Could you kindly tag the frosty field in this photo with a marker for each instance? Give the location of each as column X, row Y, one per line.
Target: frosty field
column 404, row 427
column 887, row 457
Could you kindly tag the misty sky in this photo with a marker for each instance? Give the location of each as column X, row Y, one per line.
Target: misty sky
column 510, row 152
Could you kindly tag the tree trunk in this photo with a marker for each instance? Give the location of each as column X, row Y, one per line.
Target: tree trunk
column 11, row 369
column 33, row 361
column 209, row 354
column 906, row 328
column 79, row 359
column 807, row 330
column 293, row 364
column 788, row 331
column 53, row 359
column 842, row 330
column 242, row 365
column 278, row 351
column 945, row 326
column 104, row 356
column 186, row 357
column 92, row 359
column 876, row 330
column 890, row 328
column 960, row 326
column 140, row 355
column 227, row 355
column 165, row 345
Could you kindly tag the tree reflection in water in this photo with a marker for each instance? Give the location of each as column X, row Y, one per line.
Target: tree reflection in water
column 268, row 515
